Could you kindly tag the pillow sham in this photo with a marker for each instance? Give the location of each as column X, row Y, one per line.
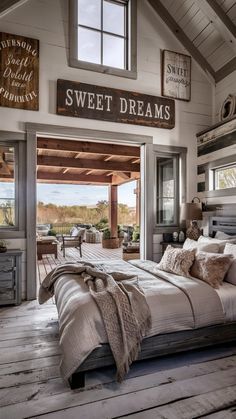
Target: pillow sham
column 221, row 243
column 205, row 247
column 231, row 274
column 220, row 235
column 211, row 267
column 177, row 261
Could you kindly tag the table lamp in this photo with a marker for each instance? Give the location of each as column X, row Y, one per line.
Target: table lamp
column 192, row 211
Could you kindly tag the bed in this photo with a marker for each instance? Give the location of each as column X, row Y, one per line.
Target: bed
column 205, row 316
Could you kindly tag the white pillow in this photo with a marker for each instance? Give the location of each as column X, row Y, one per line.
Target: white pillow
column 231, row 274
column 204, row 247
column 221, row 243
column 220, row 235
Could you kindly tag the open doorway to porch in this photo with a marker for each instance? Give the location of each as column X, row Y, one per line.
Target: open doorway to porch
column 108, row 224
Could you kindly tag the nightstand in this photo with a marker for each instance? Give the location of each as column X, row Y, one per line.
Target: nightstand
column 173, row 244
column 10, row 277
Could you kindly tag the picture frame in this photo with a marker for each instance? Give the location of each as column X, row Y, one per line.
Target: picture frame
column 176, row 75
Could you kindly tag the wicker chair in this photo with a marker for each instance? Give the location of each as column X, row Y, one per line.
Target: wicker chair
column 75, row 239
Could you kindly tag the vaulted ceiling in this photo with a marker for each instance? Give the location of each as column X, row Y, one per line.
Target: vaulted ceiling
column 206, row 28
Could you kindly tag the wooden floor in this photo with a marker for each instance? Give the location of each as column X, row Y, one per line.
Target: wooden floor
column 90, row 252
column 192, row 385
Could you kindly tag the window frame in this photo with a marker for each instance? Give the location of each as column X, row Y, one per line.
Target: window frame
column 180, row 156
column 209, row 177
column 131, row 56
column 18, row 230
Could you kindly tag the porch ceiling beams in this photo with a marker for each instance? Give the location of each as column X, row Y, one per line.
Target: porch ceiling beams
column 88, row 147
column 180, row 35
column 87, row 164
column 72, row 178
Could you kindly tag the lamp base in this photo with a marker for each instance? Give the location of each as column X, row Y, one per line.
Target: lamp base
column 193, row 232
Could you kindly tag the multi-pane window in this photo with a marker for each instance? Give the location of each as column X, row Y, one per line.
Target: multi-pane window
column 103, row 36
column 225, row 177
column 7, row 186
column 102, row 32
column 167, row 181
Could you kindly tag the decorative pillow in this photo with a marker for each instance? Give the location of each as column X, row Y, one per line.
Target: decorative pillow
column 177, row 261
column 231, row 274
column 221, row 243
column 220, row 235
column 205, row 247
column 74, row 232
column 211, row 267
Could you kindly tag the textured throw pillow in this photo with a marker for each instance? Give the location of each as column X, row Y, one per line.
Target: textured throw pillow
column 211, row 267
column 74, row 232
column 177, row 261
column 204, row 247
column 230, row 249
column 221, row 243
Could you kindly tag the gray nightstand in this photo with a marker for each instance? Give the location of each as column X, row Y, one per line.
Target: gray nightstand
column 10, row 277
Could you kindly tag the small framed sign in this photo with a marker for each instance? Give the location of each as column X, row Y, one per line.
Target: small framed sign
column 176, row 75
column 19, row 72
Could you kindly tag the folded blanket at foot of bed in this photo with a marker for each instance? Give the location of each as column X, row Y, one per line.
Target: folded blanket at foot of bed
column 122, row 305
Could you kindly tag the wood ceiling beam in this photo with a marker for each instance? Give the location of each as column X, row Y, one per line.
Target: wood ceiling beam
column 6, row 6
column 226, row 70
column 117, row 179
column 182, row 37
column 219, row 20
column 69, row 162
column 72, row 178
column 88, row 147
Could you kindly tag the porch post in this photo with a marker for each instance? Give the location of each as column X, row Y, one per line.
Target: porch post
column 113, row 210
column 137, row 193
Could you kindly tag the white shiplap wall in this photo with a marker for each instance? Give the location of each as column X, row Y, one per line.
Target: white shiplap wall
column 47, row 20
column 223, row 89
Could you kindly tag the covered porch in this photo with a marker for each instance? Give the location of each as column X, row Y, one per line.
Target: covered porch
column 91, row 252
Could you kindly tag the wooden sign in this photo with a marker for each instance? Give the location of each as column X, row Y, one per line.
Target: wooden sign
column 95, row 102
column 176, row 75
column 19, row 72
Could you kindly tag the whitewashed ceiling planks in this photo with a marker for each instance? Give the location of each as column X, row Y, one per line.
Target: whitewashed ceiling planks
column 209, row 25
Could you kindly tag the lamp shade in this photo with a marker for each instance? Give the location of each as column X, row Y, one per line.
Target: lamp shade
column 191, row 211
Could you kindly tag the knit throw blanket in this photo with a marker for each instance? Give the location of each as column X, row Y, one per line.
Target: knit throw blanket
column 122, row 304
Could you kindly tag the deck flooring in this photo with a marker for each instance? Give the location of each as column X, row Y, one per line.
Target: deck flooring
column 90, row 252
column 184, row 386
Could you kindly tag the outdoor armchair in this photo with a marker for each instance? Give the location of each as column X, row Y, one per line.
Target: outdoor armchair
column 74, row 239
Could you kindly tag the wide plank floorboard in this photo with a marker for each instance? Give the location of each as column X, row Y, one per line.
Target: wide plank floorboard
column 188, row 385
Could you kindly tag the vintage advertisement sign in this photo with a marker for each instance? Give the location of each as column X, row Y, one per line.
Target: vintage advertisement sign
column 19, row 72
column 176, row 75
column 96, row 102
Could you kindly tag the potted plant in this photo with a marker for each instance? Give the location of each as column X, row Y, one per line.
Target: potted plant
column 109, row 242
column 3, row 246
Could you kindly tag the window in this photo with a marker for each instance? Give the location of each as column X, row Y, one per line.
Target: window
column 103, row 36
column 167, row 190
column 221, row 177
column 225, row 177
column 8, row 176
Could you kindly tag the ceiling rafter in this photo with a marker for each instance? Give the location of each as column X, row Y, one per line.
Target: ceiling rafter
column 87, row 147
column 219, row 20
column 70, row 162
column 227, row 69
column 6, row 6
column 182, row 37
column 72, row 178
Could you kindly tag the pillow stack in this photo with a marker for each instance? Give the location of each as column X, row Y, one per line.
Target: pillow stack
column 210, row 259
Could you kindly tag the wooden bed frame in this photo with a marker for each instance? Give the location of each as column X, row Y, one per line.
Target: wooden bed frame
column 168, row 343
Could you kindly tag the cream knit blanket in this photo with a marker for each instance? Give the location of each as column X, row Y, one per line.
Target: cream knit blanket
column 122, row 305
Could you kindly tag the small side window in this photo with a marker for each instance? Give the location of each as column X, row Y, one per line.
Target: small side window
column 224, row 177
column 8, row 181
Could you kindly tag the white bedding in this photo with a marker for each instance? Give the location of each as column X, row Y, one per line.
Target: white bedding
column 176, row 303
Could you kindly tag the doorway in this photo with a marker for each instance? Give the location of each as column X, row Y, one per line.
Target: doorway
column 89, row 190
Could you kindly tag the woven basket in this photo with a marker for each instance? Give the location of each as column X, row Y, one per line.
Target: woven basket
column 110, row 243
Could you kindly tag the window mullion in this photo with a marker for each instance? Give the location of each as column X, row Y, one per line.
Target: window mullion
column 102, row 32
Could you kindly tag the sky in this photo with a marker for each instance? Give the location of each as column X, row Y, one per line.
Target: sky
column 83, row 194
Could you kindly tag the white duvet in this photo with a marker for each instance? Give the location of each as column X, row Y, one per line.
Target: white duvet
column 176, row 303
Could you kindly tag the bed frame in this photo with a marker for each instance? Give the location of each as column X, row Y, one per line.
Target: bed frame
column 165, row 344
